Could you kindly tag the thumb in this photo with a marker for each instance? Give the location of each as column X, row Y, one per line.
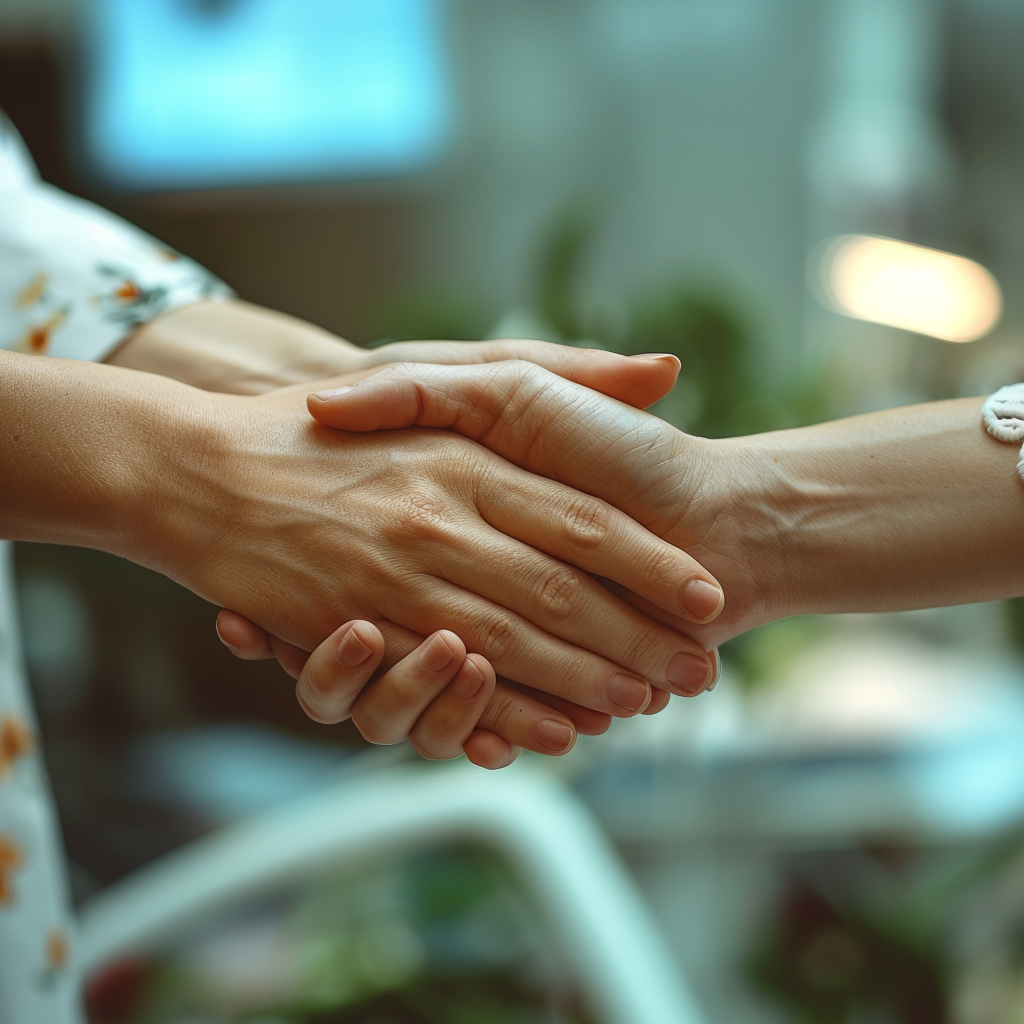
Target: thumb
column 529, row 416
column 636, row 380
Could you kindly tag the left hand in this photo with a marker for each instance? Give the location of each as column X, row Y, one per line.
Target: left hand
column 437, row 697
column 239, row 349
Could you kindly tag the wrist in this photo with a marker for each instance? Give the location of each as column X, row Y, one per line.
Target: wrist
column 233, row 347
column 86, row 449
column 799, row 520
column 181, row 511
column 750, row 512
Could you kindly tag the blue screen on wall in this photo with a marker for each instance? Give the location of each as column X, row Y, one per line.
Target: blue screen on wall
column 203, row 93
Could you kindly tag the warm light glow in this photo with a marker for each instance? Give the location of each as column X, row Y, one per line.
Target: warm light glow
column 909, row 286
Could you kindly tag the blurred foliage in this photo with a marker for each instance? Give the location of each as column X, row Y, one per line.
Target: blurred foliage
column 439, row 938
column 432, row 314
column 831, row 963
column 720, row 392
column 877, row 935
column 1015, row 621
column 766, row 652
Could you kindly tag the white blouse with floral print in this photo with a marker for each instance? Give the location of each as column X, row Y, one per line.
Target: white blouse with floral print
column 74, row 281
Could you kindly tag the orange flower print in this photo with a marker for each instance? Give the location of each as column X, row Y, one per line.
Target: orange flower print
column 37, row 338
column 33, row 291
column 57, row 949
column 128, row 292
column 16, row 740
column 10, row 860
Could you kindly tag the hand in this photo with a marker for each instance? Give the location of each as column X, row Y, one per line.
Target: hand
column 299, row 528
column 237, row 348
column 234, row 347
column 434, row 697
column 682, row 488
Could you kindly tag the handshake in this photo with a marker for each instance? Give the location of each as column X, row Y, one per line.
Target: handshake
column 486, row 547
column 498, row 509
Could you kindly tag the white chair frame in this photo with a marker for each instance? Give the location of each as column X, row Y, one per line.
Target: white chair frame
column 598, row 917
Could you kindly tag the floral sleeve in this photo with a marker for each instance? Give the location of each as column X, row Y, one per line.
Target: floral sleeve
column 74, row 279
column 74, row 282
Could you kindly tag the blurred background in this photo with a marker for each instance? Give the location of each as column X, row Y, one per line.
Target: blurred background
column 836, row 834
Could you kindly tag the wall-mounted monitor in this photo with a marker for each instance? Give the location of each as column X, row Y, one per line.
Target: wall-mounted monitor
column 193, row 94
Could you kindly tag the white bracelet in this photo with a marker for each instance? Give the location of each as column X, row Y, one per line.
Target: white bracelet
column 1003, row 415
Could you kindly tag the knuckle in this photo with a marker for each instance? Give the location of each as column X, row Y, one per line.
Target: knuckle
column 586, row 521
column 498, row 637
column 320, row 685
column 642, row 647
column 520, row 383
column 559, row 592
column 433, row 747
column 503, row 714
column 662, row 570
column 574, row 673
column 422, row 515
column 372, row 729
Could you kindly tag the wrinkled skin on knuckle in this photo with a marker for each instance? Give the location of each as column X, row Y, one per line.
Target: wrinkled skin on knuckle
column 460, row 465
column 502, row 714
column 642, row 646
column 512, row 405
column 586, row 522
column 559, row 592
column 497, row 639
column 422, row 516
column 573, row 676
column 663, row 572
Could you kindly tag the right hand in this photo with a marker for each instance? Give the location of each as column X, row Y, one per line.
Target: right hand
column 297, row 528
column 706, row 497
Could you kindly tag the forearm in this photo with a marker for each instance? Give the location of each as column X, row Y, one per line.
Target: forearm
column 235, row 348
column 905, row 508
column 85, row 451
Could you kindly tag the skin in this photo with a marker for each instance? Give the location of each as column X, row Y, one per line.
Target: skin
column 247, row 503
column 906, row 508
column 234, row 347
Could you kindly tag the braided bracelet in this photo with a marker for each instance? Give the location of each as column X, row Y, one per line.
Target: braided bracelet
column 1003, row 414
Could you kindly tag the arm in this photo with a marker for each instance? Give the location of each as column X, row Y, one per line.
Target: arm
column 238, row 348
column 298, row 528
column 85, row 284
column 905, row 508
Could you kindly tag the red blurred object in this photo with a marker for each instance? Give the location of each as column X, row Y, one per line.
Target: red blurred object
column 114, row 993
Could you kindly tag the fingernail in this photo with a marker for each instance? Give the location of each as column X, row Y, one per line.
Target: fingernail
column 628, row 693
column 220, row 637
column 556, row 736
column 230, row 647
column 664, row 356
column 437, row 655
column 326, row 396
column 702, row 600
column 717, row 666
column 468, row 682
column 352, row 651
column 687, row 674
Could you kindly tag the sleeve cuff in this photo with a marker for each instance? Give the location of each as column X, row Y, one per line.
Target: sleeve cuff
column 77, row 280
